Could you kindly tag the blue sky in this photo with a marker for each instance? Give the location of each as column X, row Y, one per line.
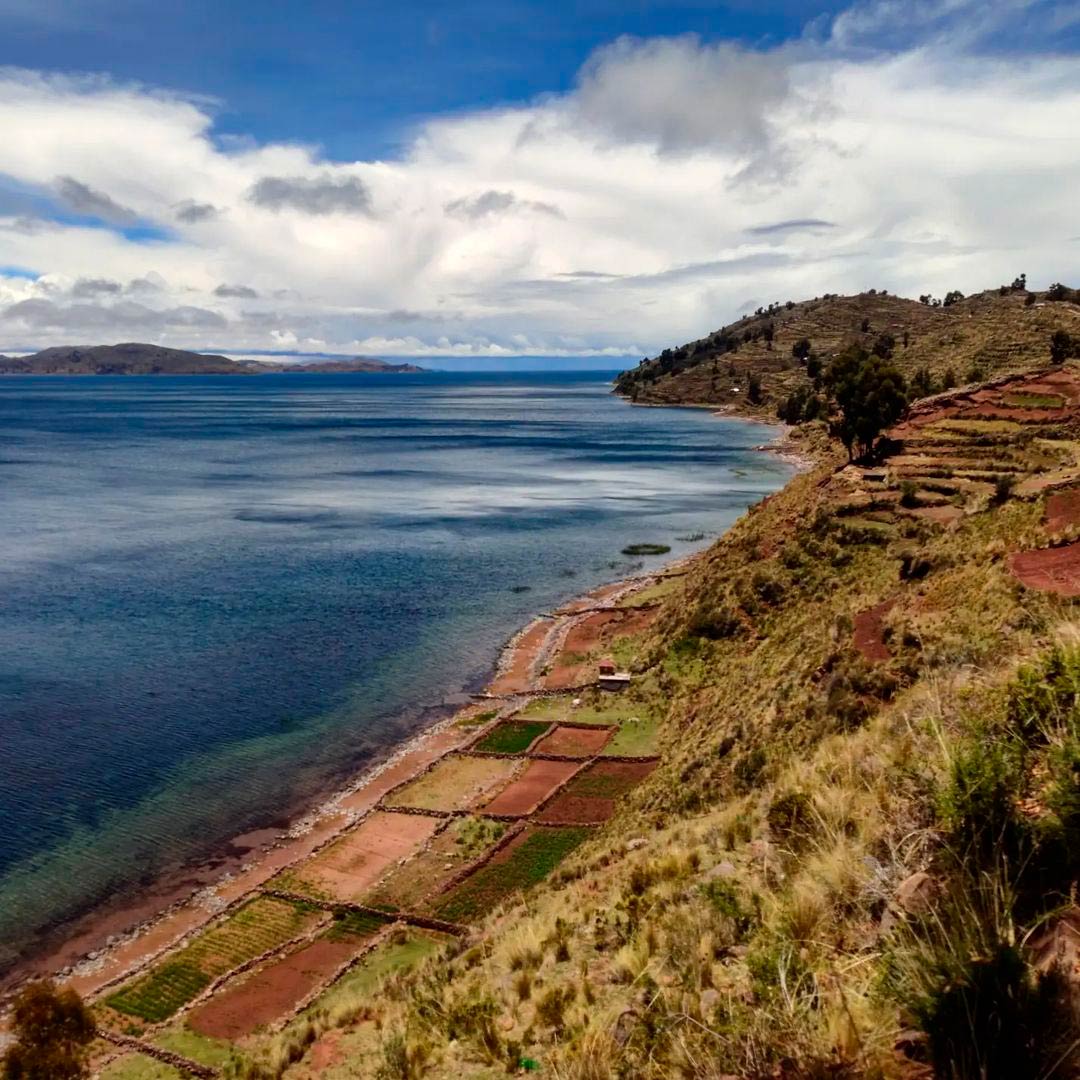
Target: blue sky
column 518, row 179
column 356, row 77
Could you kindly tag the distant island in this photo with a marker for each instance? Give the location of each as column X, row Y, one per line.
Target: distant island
column 136, row 358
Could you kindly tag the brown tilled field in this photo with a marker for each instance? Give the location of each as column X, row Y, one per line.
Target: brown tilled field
column 351, row 865
column 531, row 788
column 273, row 991
column 456, row 783
column 574, row 741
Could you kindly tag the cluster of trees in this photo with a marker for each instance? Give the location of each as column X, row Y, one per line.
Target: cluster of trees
column 1058, row 292
column 801, row 406
column 923, row 383
column 954, row 296
column 53, row 1031
column 1019, row 285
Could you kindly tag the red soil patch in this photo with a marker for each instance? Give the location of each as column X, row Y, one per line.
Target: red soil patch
column 577, row 810
column 516, row 675
column 587, row 636
column 591, row 796
column 272, row 992
column 574, row 742
column 351, row 865
column 943, row 515
column 1055, row 570
column 869, row 632
column 1063, row 509
column 534, row 785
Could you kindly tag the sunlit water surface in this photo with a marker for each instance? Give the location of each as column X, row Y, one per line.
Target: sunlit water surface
column 218, row 596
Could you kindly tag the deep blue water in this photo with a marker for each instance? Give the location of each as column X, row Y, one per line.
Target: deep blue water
column 218, row 595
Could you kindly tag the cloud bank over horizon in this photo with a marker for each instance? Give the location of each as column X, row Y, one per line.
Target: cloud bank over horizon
column 677, row 184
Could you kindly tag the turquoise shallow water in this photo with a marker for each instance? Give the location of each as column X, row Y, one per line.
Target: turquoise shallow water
column 218, row 596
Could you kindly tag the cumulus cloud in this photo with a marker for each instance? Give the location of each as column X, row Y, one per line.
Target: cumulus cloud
column 675, row 180
column 83, row 199
column 86, row 287
column 487, row 203
column 191, row 212
column 312, row 195
column 239, row 292
column 683, row 96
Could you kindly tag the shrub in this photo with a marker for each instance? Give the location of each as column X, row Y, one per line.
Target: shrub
column 960, row 975
column 715, row 622
column 909, row 494
column 1003, row 485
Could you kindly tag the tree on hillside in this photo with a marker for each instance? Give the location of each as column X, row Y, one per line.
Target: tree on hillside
column 753, row 392
column 801, row 349
column 871, row 394
column 53, row 1031
column 953, row 297
column 1062, row 346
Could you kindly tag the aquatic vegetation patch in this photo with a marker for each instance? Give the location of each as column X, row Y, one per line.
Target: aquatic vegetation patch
column 526, row 860
column 646, row 549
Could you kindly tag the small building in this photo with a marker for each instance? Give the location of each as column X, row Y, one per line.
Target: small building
column 610, row 678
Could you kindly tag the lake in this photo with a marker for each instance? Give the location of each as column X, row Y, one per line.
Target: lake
column 219, row 596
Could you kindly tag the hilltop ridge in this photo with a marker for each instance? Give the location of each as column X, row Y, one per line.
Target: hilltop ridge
column 955, row 341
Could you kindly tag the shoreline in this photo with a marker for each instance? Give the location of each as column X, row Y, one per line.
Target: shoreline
column 109, row 943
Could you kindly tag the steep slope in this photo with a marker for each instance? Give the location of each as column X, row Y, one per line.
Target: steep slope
column 984, row 336
column 858, row 854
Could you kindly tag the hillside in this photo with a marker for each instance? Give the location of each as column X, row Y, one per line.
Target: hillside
column 969, row 340
column 135, row 358
column 830, row 830
column 131, row 358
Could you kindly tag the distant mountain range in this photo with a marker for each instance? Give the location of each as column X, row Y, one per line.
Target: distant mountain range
column 136, row 358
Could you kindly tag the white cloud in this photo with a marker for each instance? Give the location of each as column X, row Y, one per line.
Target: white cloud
column 674, row 183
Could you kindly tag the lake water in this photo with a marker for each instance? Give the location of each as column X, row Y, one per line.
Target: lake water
column 218, row 596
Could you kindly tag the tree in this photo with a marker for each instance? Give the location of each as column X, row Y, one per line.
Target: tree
column 801, row 349
column 922, row 383
column 884, row 345
column 753, row 391
column 1062, row 347
column 53, row 1031
column 953, row 297
column 871, row 394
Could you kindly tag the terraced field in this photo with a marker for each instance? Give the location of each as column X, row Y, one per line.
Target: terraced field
column 526, row 860
column 260, row 925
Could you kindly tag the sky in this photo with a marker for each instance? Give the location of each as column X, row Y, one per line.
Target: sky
column 493, row 179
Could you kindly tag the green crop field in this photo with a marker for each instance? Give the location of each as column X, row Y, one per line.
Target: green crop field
column 512, row 737
column 259, row 925
column 529, row 861
column 356, row 924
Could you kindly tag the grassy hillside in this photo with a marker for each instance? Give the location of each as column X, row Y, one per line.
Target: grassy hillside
column 859, row 854
column 981, row 337
column 832, row 829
